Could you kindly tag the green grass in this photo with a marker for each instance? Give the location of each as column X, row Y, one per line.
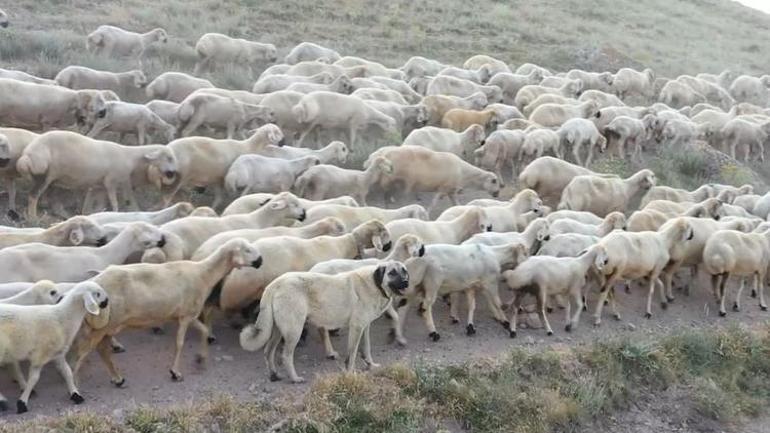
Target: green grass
column 719, row 375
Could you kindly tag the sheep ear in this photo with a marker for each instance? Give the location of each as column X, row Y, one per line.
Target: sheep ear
column 377, row 243
column 152, row 155
column 90, row 303
column 76, row 236
column 278, row 204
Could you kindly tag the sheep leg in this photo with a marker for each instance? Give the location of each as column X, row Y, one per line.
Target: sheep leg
column 395, row 325
column 495, row 304
column 434, row 203
column 541, row 297
column 18, row 376
column 603, row 294
column 10, row 185
column 328, row 347
column 141, row 134
column 203, row 355
column 97, row 129
column 621, row 143
column 104, row 349
column 367, row 352
column 218, row 196
column 352, row 135
column 270, row 348
column 454, row 303
column 577, row 299
column 290, row 340
column 576, row 154
column 427, row 315
column 66, row 373
column 759, row 285
column 181, row 332
column 590, row 157
column 34, row 197
column 650, row 293
column 112, row 195
column 722, row 284
column 568, row 315
column 470, row 297
column 737, row 303
column 304, row 134
column 34, row 376
column 515, row 306
column 354, row 339
column 230, row 130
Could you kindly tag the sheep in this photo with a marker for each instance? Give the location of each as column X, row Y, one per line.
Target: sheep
column 494, row 65
column 44, row 333
column 599, row 81
column 678, row 195
column 185, row 235
column 518, row 125
column 399, row 86
column 504, row 217
column 220, row 112
column 175, row 86
column 512, row 83
column 628, row 132
column 166, row 110
column 282, row 102
column 36, row 261
column 709, row 208
column 335, row 152
column 264, row 174
column 499, row 149
column 567, row 245
column 78, row 230
column 41, row 106
column 203, row 161
column 578, row 133
column 417, row 66
column 529, row 93
column 447, row 269
column 439, row 105
column 328, row 181
column 735, row 211
column 548, row 98
column 250, row 203
column 446, row 85
column 23, row 76
column 549, row 176
column 646, row 220
column 382, row 95
column 630, row 256
column 711, row 92
column 122, row 83
column 274, row 69
column 606, row 115
column 136, row 302
column 749, row 89
column 371, row 68
column 478, row 75
column 748, row 135
column 602, row 195
column 274, row 83
column 446, row 140
column 580, row 216
column 676, row 94
column 408, row 117
column 724, row 79
column 413, row 167
column 307, row 51
column 454, row 231
column 532, row 237
column 420, row 84
column 613, row 221
column 57, row 158
column 762, row 207
column 306, row 69
column 555, row 115
column 603, row 100
column 341, row 84
column 733, row 253
column 159, row 217
column 125, row 117
column 214, row 48
column 537, row 142
column 353, row 216
column 459, row 119
column 544, row 276
column 628, row 81
column 113, row 41
column 289, row 254
column 13, row 141
column 747, row 202
column 333, row 110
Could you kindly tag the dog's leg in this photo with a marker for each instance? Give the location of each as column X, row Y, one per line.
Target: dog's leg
column 368, row 349
column 290, row 341
column 270, row 349
column 354, row 339
column 470, row 296
column 396, row 326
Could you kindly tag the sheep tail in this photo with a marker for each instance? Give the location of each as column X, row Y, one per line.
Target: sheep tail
column 300, row 112
column 255, row 336
column 184, row 113
column 300, row 185
column 28, row 167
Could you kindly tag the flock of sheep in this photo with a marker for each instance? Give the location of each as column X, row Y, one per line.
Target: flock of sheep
column 300, row 243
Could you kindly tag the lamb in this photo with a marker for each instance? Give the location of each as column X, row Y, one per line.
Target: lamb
column 42, row 106
column 214, row 48
column 113, row 41
column 446, row 85
column 220, row 112
column 417, row 66
column 512, row 83
column 259, row 173
column 555, row 115
column 382, row 95
column 175, row 86
column 159, row 217
column 598, row 81
column 604, row 100
column 548, row 98
column 204, row 161
column 414, row 168
column 506, row 217
column 628, row 81
column 709, row 208
column 749, row 89
column 495, row 66
column 185, row 235
column 629, row 132
column 439, row 105
column 282, row 102
column 544, row 276
column 399, row 86
column 567, row 245
column 478, row 75
column 166, row 110
column 333, row 110
column 136, row 302
column 537, row 142
column 274, row 83
column 532, row 237
column 733, row 253
column 459, row 119
column 529, row 93
column 371, row 68
column 749, row 135
column 250, row 203
column 35, row 261
column 56, row 158
column 580, row 216
column 613, row 221
column 289, row 254
column 448, row 269
column 16, row 140
column 125, row 117
column 408, row 117
column 44, row 333
column 328, row 181
column 308, row 51
column 578, row 133
column 78, row 230
column 454, row 231
column 630, row 256
column 122, row 83
column 676, row 94
column 43, row 292
column 602, row 195
column 549, row 176
column 341, row 84
column 460, row 143
column 336, row 152
column 500, row 149
column 23, row 76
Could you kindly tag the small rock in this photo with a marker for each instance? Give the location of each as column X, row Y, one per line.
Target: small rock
column 227, row 358
column 530, row 340
column 156, row 388
column 631, row 327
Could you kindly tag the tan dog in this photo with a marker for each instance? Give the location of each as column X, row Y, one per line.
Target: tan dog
column 346, row 300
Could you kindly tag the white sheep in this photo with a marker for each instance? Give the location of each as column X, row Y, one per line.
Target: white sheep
column 113, row 41
column 122, row 83
column 548, row 98
column 678, row 195
column 602, row 195
column 159, row 217
column 499, row 149
column 78, row 230
column 381, row 95
column 548, row 176
column 511, row 216
column 399, row 86
column 251, row 202
column 13, row 141
column 628, row 81
column 175, row 86
column 44, row 333
column 417, row 66
column 676, row 94
column 127, row 118
column 257, row 173
column 220, row 112
column 597, row 81
column 581, row 133
column 166, row 110
column 214, row 48
column 512, row 83
column 446, row 85
column 555, row 115
column 438, row 105
column 529, row 93
column 336, row 152
column 274, row 83
column 353, row 216
column 613, row 221
column 537, row 142
column 580, row 216
column 306, row 51
column 282, row 102
column 749, row 89
column 532, row 237
column 749, row 136
column 453, row 231
column 23, row 76
column 603, row 99
column 341, row 84
column 408, row 117
column 478, row 75
column 328, row 181
column 494, row 65
column 447, row 140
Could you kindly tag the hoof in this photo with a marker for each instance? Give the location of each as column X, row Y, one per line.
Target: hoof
column 763, row 307
column 13, row 215
column 568, row 328
column 616, row 317
column 158, row 331
column 332, row 356
column 176, row 377
column 627, row 288
column 401, row 341
column 597, row 324
column 211, row 339
column 606, row 303
column 506, row 324
column 274, row 377
column 421, row 309
column 753, row 294
column 118, row 349
column 334, row 332
column 297, row 380
column 736, row 307
column 470, row 329
column 512, row 334
column 549, row 333
column 120, row 384
column 549, row 310
column 648, row 315
column 391, row 335
column 434, row 336
column 455, row 320
column 21, row 407
column 670, row 299
column 200, row 359
column 77, row 398
column 3, row 405
column 722, row 313
column 585, row 307
column 664, row 305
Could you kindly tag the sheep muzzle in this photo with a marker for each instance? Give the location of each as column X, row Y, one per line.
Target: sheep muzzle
column 162, row 242
column 104, row 304
column 422, row 251
column 256, row 263
column 386, row 247
column 101, row 241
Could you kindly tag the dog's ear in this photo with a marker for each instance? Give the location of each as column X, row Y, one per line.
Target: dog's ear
column 379, row 275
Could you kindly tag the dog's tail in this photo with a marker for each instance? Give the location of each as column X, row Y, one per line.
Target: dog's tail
column 254, row 337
